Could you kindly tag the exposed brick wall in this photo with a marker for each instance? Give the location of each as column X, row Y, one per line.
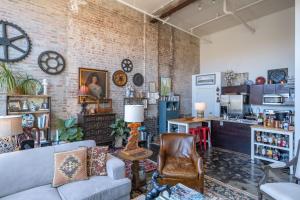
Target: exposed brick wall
column 99, row 36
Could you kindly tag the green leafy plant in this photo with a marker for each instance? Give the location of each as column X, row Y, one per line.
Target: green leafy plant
column 68, row 131
column 30, row 86
column 7, row 78
column 119, row 128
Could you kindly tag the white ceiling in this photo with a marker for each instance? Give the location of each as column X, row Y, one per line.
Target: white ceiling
column 191, row 16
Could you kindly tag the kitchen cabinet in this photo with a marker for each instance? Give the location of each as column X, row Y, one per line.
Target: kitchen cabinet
column 270, row 89
column 282, row 89
column 233, row 136
column 256, row 94
column 235, row 89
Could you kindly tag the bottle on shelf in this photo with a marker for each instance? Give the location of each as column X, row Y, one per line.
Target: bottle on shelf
column 260, row 119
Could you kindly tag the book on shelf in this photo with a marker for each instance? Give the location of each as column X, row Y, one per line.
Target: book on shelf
column 43, row 121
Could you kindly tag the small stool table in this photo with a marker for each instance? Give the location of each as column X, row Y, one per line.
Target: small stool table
column 135, row 158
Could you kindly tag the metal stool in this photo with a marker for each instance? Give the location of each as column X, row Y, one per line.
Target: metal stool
column 205, row 136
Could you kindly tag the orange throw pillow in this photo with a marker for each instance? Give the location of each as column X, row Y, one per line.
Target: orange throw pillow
column 96, row 163
column 70, row 166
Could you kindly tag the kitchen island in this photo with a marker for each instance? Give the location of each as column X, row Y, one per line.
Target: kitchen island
column 234, row 134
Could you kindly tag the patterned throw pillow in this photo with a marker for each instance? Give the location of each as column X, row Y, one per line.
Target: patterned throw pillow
column 7, row 144
column 70, row 166
column 96, row 163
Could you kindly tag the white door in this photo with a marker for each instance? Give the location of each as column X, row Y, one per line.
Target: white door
column 207, row 95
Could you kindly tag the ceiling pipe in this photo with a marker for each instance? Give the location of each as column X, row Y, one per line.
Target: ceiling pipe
column 159, row 19
column 227, row 12
column 221, row 16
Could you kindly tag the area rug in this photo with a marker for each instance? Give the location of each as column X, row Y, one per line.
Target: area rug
column 213, row 188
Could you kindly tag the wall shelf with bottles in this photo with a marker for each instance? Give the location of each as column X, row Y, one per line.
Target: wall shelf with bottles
column 272, row 144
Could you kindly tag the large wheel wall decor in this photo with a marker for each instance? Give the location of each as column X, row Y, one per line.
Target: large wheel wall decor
column 51, row 62
column 119, row 78
column 138, row 79
column 127, row 65
column 15, row 45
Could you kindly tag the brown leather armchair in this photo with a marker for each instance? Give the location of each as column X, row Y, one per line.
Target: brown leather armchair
column 178, row 161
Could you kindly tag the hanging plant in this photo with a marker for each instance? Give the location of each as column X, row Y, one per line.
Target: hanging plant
column 7, row 79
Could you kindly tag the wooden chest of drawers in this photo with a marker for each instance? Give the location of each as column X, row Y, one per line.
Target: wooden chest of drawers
column 96, row 127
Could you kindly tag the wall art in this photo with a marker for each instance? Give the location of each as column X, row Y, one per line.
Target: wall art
column 51, row 62
column 97, row 83
column 14, row 41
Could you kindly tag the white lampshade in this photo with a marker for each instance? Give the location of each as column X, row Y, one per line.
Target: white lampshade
column 201, row 106
column 10, row 125
column 134, row 113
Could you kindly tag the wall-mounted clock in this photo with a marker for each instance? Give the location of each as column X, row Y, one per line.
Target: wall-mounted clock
column 119, row 78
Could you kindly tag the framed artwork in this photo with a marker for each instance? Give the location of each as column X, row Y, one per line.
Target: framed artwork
column 97, row 83
column 207, row 79
column 241, row 78
column 165, row 86
column 152, row 87
column 277, row 75
column 14, row 106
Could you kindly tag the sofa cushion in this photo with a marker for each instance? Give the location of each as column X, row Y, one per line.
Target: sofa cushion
column 70, row 166
column 22, row 170
column 97, row 187
column 280, row 191
column 46, row 192
column 96, row 161
column 176, row 167
column 74, row 145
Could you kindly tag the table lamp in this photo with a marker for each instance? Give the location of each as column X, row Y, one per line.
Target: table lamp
column 200, row 108
column 10, row 125
column 134, row 115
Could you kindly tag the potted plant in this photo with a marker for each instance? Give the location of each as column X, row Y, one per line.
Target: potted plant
column 7, row 79
column 119, row 131
column 68, row 131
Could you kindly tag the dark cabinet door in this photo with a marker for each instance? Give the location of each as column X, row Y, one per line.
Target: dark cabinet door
column 282, row 89
column 235, row 89
column 232, row 136
column 256, row 94
column 270, row 89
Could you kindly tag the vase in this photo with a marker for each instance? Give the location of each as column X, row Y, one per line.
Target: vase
column 118, row 142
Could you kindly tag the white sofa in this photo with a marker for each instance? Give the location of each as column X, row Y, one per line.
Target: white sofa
column 28, row 175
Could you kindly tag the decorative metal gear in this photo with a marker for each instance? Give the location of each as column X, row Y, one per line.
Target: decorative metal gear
column 138, row 79
column 119, row 78
column 51, row 62
column 127, row 65
column 15, row 45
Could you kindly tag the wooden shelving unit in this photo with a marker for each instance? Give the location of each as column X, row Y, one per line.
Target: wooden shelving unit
column 289, row 149
column 38, row 100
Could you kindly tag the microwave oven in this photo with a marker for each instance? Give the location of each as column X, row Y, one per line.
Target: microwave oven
column 273, row 99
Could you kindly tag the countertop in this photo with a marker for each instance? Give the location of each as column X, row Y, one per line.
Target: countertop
column 190, row 120
column 272, row 129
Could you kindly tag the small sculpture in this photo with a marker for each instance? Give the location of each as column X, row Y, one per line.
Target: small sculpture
column 156, row 187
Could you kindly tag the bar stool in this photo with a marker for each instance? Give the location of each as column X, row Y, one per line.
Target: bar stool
column 205, row 136
column 196, row 133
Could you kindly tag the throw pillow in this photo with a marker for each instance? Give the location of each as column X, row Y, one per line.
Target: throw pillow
column 96, row 163
column 70, row 166
column 7, row 144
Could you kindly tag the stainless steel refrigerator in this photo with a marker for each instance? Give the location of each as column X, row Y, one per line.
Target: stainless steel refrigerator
column 232, row 105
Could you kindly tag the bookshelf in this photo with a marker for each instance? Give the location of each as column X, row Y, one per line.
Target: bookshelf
column 36, row 112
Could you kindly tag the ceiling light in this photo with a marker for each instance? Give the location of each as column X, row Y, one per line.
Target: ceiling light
column 213, row 1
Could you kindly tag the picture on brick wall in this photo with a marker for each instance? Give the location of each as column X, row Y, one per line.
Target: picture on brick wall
column 165, row 86
column 95, row 82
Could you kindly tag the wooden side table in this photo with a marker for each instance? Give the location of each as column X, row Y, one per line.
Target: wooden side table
column 137, row 183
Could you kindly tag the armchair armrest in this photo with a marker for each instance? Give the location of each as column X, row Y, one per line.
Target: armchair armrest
column 273, row 166
column 160, row 162
column 115, row 167
column 198, row 163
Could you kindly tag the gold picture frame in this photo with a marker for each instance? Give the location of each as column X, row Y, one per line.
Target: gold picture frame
column 96, row 82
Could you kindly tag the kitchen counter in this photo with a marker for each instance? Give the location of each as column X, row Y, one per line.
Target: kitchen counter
column 271, row 129
column 242, row 121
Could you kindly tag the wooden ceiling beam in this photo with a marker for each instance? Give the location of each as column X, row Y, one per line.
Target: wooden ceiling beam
column 173, row 9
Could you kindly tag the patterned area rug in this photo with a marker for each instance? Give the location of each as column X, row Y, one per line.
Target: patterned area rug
column 214, row 189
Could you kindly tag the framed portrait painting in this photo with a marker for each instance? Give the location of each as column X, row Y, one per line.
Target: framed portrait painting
column 96, row 82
